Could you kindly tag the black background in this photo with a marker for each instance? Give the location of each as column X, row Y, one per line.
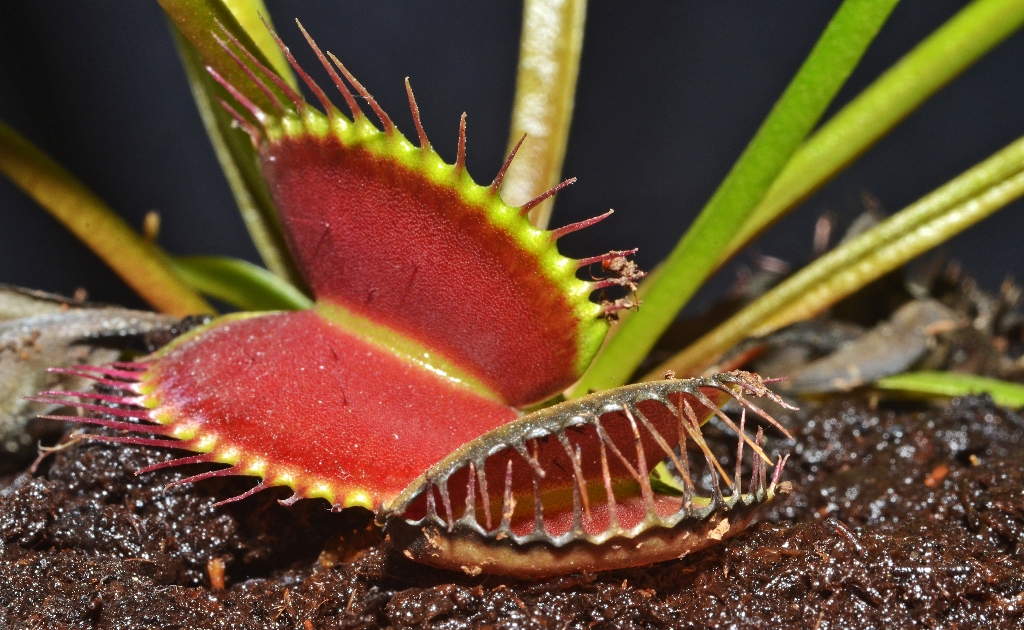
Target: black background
column 669, row 93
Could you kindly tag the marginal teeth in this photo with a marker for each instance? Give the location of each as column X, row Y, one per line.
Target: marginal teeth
column 578, row 474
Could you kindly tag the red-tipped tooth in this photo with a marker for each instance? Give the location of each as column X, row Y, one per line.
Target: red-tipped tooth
column 389, row 127
column 504, row 167
column 180, row 461
column 415, row 109
column 292, row 95
column 252, row 108
column 349, row 100
column 126, row 385
column 530, row 205
column 575, row 227
column 118, row 400
column 140, row 414
column 112, row 424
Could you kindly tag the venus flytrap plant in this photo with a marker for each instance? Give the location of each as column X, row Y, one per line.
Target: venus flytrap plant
column 549, row 60
column 391, row 368
column 439, row 311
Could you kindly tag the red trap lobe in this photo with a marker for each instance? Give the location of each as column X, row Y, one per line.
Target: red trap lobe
column 349, row 418
column 301, row 402
column 385, row 241
column 569, row 488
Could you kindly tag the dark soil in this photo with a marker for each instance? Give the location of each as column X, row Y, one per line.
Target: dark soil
column 901, row 516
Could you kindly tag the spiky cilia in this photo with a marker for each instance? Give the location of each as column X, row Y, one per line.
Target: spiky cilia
column 439, row 311
column 567, row 488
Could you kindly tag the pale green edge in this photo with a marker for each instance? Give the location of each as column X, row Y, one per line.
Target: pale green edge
column 950, row 384
column 349, row 323
column 404, row 348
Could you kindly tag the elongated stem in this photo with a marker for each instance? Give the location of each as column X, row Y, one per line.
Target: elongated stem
column 936, row 217
column 198, row 22
column 933, row 63
column 549, row 61
column 696, row 256
column 238, row 161
column 239, row 283
column 250, row 15
column 141, row 264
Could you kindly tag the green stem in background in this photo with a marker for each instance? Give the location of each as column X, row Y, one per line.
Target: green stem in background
column 238, row 161
column 933, row 63
column 696, row 256
column 936, row 217
column 198, row 21
column 239, row 283
column 141, row 264
column 549, row 61
column 250, row 15
column 952, row 385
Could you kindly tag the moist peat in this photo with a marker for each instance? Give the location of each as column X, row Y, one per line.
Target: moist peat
column 901, row 515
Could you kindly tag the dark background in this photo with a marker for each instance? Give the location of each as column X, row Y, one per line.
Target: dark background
column 669, row 94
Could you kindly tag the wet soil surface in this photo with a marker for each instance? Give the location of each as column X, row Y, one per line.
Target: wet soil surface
column 901, row 516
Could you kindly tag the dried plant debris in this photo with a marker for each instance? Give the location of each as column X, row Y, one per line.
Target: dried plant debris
column 901, row 516
column 18, row 302
column 40, row 331
column 889, row 348
column 952, row 326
